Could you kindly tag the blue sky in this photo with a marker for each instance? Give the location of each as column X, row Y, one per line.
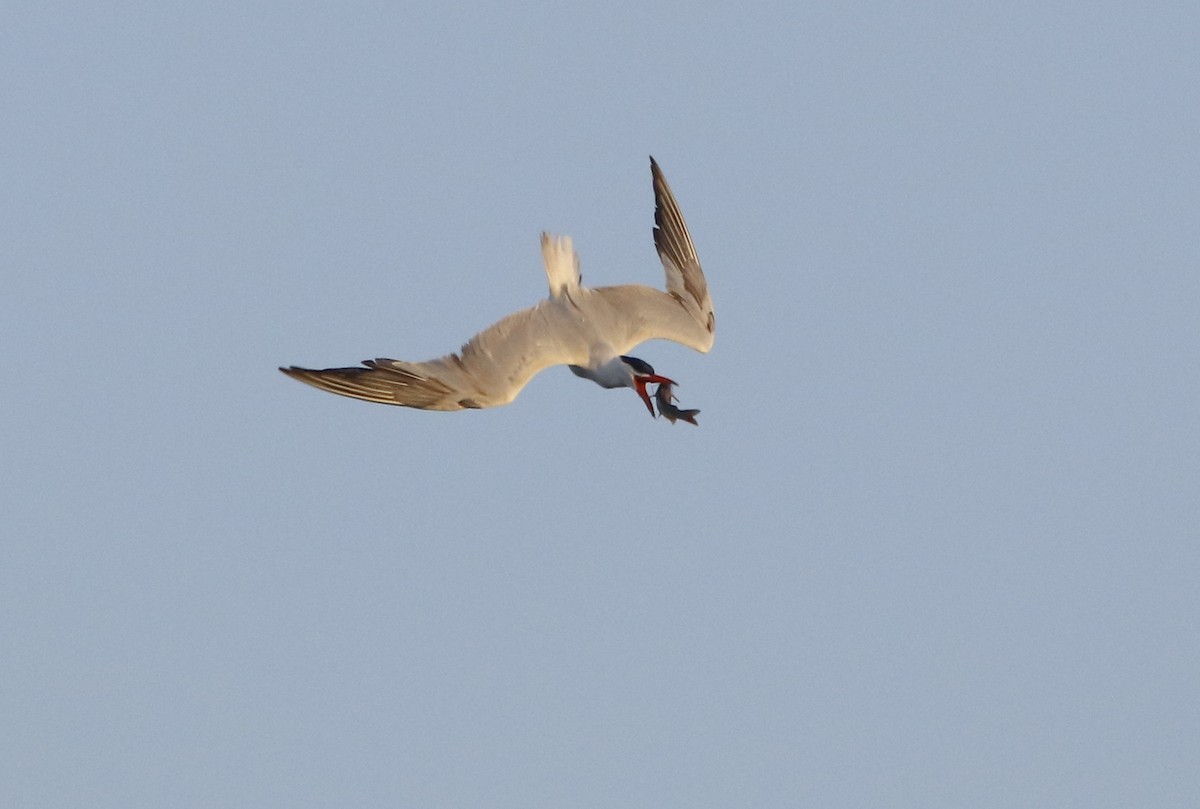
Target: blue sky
column 934, row 542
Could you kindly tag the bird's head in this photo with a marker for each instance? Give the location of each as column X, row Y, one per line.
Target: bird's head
column 642, row 374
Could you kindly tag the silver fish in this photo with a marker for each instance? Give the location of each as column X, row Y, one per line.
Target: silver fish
column 663, row 397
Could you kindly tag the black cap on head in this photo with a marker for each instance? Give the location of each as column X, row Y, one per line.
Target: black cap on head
column 640, row 367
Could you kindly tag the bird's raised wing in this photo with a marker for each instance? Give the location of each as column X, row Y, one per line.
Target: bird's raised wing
column 682, row 314
column 685, row 279
column 490, row 370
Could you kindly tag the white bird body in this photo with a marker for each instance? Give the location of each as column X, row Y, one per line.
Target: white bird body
column 588, row 329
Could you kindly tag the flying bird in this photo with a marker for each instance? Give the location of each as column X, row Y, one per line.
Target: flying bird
column 589, row 330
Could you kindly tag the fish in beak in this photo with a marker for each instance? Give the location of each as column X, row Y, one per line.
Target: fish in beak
column 665, row 397
column 640, row 381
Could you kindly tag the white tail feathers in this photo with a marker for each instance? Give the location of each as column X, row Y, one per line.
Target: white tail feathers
column 562, row 264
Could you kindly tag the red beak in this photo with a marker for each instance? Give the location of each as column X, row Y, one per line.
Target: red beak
column 640, row 383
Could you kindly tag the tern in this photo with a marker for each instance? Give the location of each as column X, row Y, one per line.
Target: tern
column 590, row 330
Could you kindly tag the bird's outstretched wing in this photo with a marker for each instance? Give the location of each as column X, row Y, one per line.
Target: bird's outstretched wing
column 684, row 313
column 490, row 370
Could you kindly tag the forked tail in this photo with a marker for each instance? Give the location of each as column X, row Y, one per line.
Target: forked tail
column 562, row 264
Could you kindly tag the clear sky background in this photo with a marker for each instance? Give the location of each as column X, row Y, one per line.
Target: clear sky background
column 936, row 541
